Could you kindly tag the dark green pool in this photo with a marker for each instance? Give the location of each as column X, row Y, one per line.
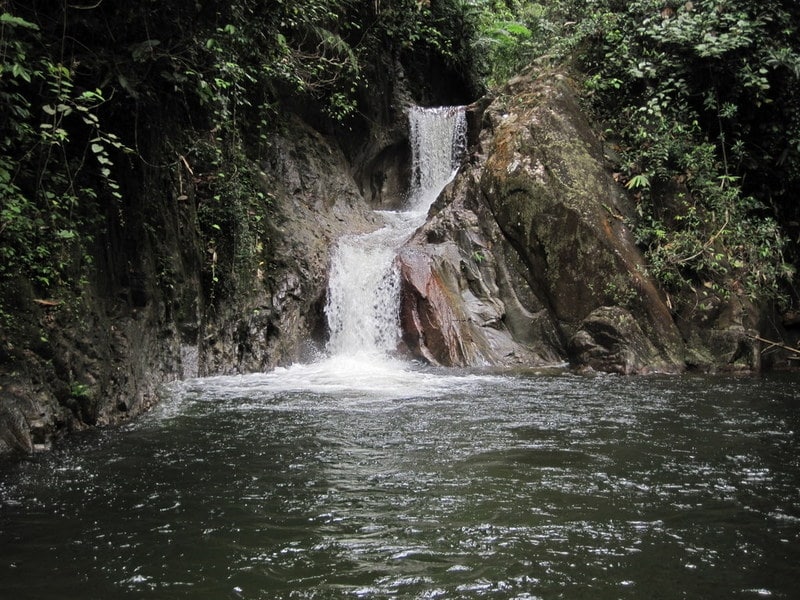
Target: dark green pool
column 309, row 483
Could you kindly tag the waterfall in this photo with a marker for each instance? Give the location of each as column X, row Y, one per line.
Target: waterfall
column 364, row 285
column 438, row 138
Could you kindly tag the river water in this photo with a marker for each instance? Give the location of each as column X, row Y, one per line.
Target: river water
column 370, row 480
column 360, row 476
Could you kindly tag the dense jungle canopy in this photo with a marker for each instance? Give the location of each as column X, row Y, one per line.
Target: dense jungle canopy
column 697, row 102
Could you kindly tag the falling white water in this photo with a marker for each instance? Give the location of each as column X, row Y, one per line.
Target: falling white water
column 364, row 285
column 438, row 139
column 362, row 294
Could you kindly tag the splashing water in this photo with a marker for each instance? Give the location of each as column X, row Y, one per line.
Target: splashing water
column 364, row 285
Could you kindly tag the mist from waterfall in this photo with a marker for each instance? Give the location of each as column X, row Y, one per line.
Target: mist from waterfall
column 364, row 284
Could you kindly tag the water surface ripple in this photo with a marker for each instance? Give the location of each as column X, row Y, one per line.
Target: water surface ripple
column 408, row 483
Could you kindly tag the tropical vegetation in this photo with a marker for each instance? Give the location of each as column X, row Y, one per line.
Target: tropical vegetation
column 697, row 102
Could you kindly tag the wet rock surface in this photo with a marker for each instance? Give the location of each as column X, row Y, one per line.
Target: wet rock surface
column 610, row 339
column 101, row 358
column 527, row 257
column 281, row 320
column 460, row 303
column 527, row 242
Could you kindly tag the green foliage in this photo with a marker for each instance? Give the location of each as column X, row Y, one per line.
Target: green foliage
column 232, row 212
column 505, row 42
column 513, row 34
column 307, row 53
column 698, row 98
column 54, row 155
column 80, row 391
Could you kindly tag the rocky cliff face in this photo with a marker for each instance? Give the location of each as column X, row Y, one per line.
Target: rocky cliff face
column 280, row 320
column 195, row 276
column 149, row 316
column 527, row 258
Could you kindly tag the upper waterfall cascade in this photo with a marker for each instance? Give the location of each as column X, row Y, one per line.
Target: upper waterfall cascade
column 364, row 285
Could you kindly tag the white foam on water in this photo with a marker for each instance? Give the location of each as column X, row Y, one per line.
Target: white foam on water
column 355, row 377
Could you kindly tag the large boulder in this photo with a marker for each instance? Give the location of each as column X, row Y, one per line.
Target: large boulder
column 546, row 182
column 528, row 251
column 610, row 339
column 461, row 304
